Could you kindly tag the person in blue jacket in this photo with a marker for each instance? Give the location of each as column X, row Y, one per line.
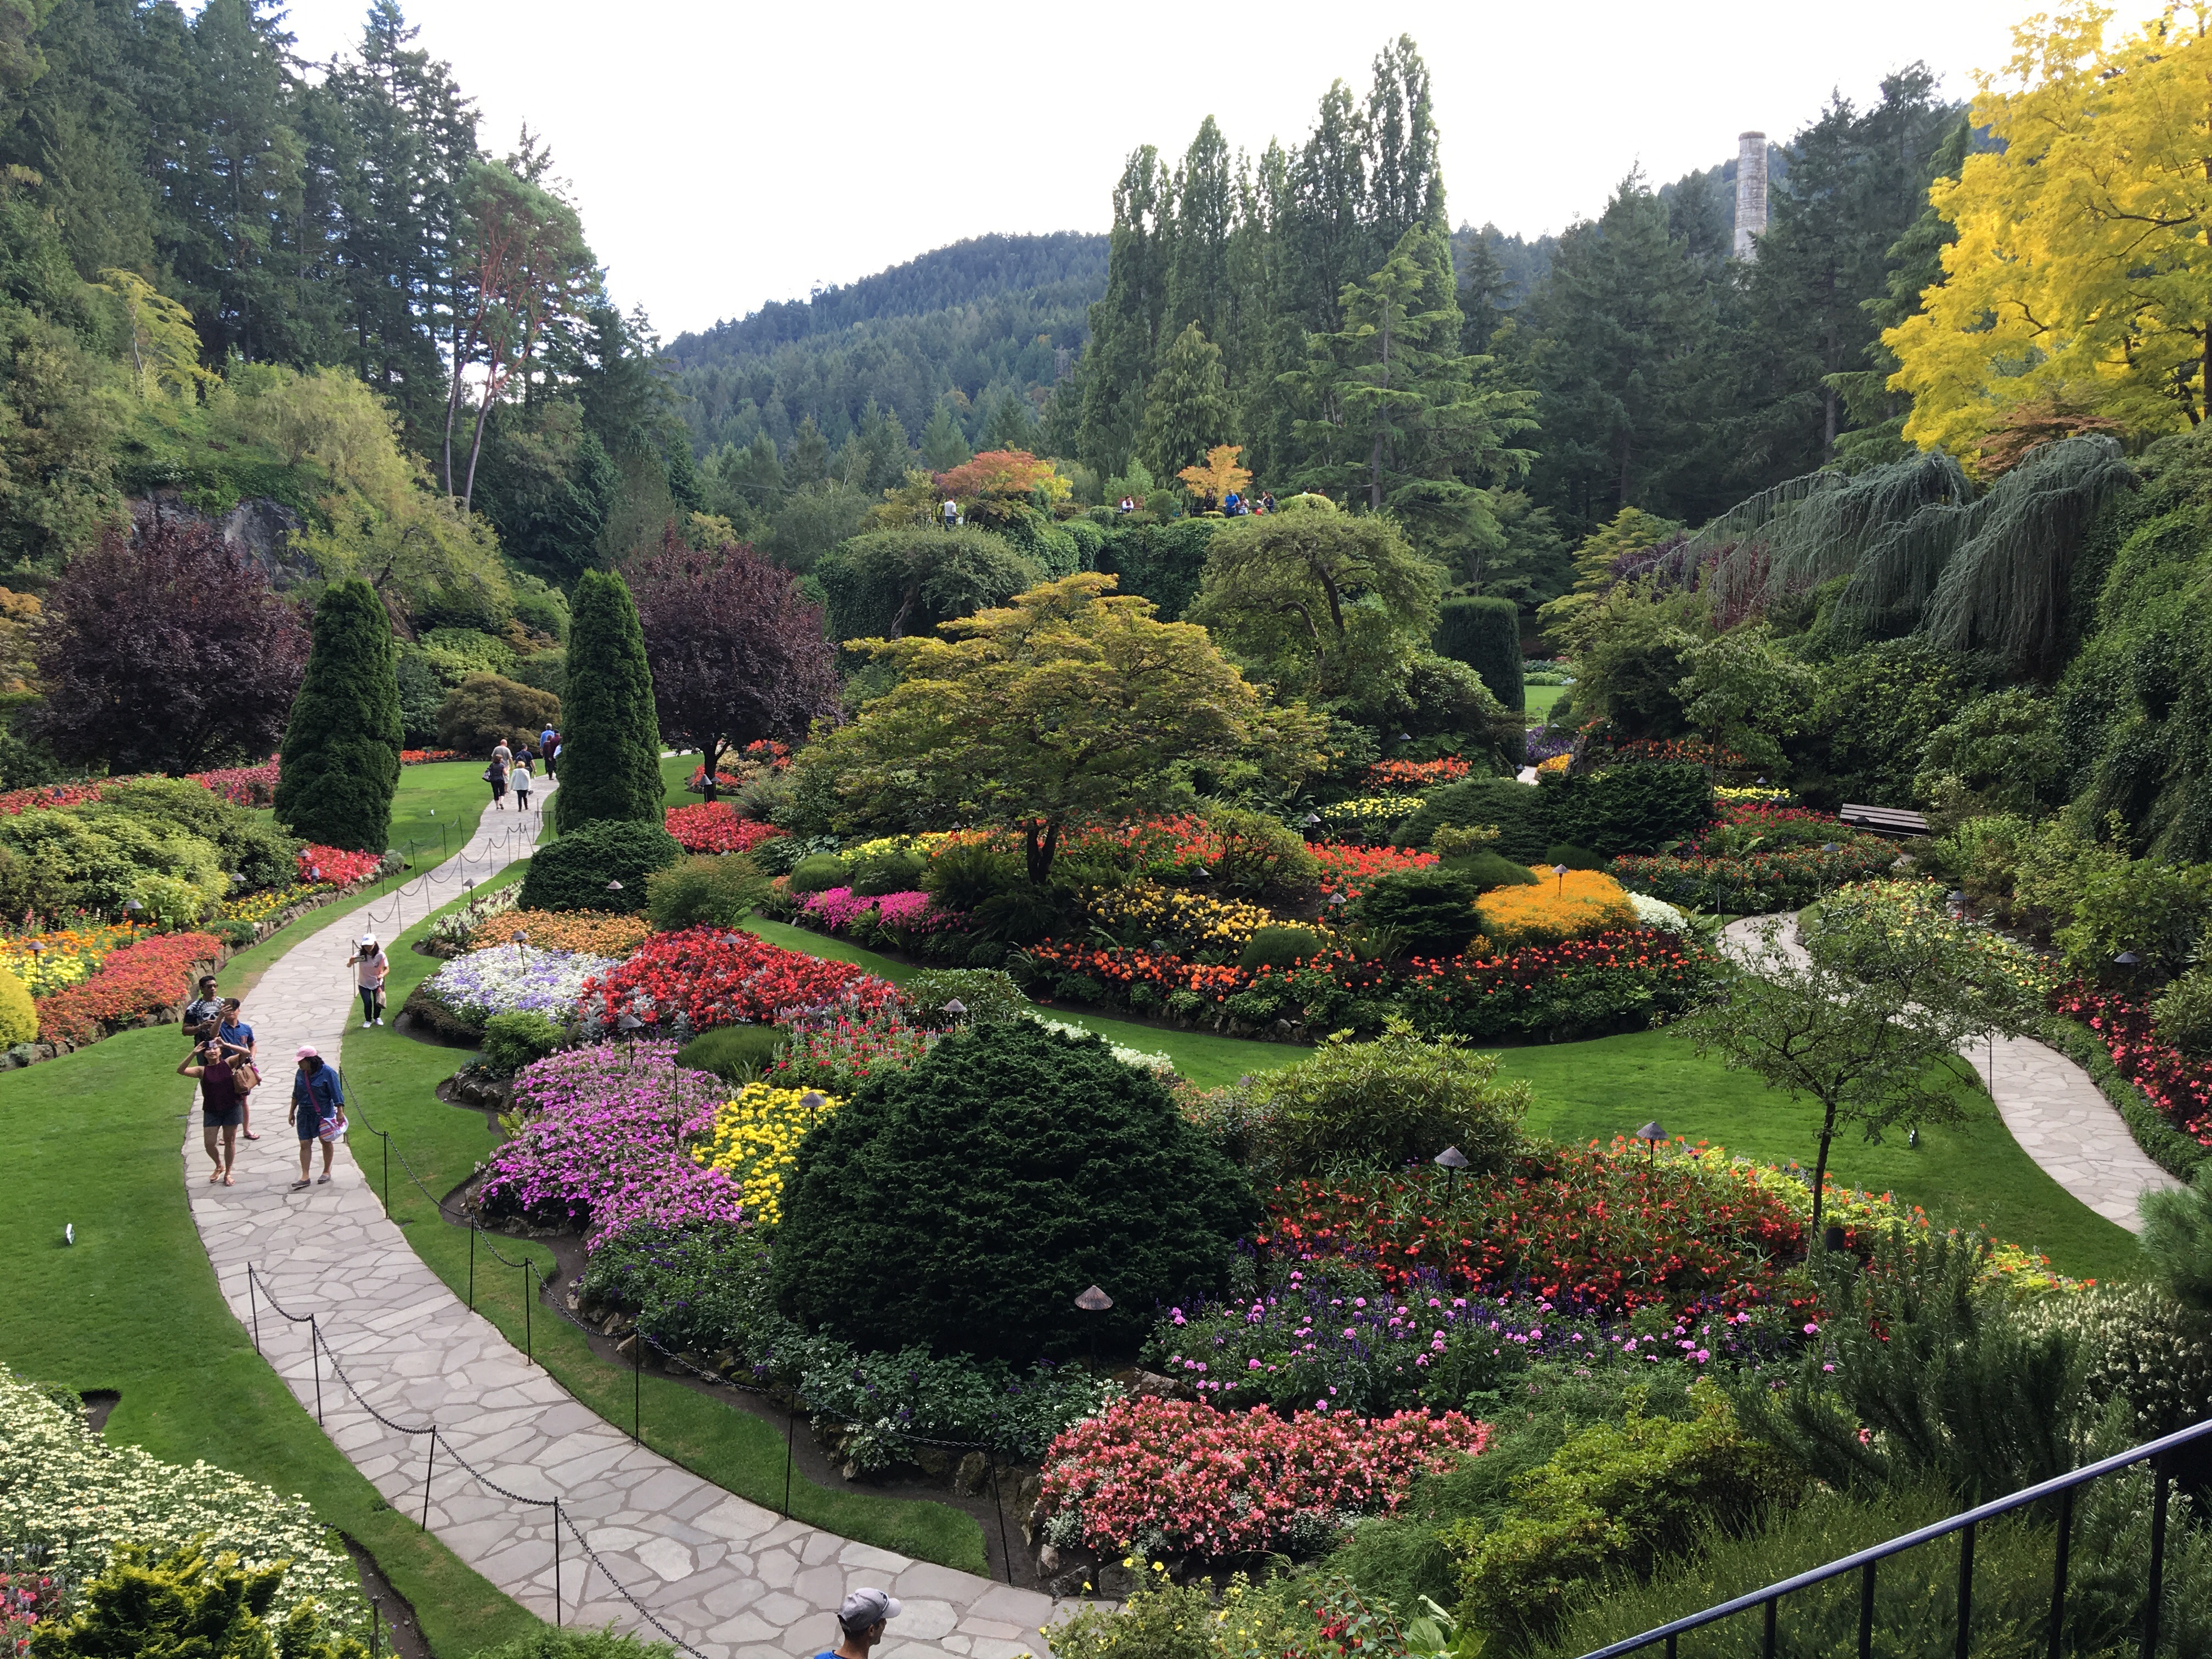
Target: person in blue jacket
column 318, row 1113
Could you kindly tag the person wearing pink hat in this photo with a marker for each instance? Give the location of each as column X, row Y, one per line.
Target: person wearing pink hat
column 318, row 1113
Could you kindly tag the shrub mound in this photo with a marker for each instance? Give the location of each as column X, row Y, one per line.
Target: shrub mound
column 1394, row 1101
column 576, row 872
column 963, row 1205
column 19, row 1019
column 1522, row 815
column 704, row 890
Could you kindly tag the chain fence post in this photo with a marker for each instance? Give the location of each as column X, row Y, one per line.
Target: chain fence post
column 557, row 1561
column 998, row 1503
column 637, row 1387
column 253, row 1305
column 528, row 1353
column 315, row 1359
column 790, row 1436
column 472, row 1266
column 429, row 1462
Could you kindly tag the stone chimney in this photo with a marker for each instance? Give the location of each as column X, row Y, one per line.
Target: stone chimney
column 1750, row 192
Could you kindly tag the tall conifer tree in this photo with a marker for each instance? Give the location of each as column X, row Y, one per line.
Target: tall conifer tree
column 340, row 761
column 611, row 736
column 1187, row 407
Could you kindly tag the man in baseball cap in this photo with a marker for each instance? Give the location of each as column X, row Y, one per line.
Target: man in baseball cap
column 861, row 1618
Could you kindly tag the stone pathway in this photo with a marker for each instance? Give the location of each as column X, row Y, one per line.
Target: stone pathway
column 2057, row 1115
column 730, row 1578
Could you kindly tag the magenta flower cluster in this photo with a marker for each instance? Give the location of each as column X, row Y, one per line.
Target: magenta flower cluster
column 605, row 1144
column 838, row 907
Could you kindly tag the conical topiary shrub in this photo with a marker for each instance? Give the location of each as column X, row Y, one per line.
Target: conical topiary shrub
column 340, row 762
column 610, row 739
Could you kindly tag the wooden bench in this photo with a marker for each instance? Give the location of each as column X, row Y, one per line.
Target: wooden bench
column 1883, row 820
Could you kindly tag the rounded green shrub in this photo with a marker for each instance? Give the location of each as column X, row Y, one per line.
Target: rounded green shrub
column 1486, row 870
column 987, row 993
column 819, row 874
column 512, row 1042
column 736, row 1054
column 19, row 1019
column 1523, row 816
column 961, row 878
column 889, row 872
column 1279, row 947
column 1427, row 912
column 576, row 872
column 1397, row 1100
column 1574, row 857
column 963, row 1204
column 2182, row 1014
column 717, row 891
column 1628, row 809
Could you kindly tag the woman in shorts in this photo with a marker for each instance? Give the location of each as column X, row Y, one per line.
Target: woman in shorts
column 221, row 1108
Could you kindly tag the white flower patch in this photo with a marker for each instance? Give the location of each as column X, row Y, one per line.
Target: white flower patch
column 509, row 979
column 1159, row 1060
column 65, row 1490
column 1658, row 913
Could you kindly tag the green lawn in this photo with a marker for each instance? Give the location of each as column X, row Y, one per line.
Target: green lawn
column 437, row 808
column 1206, row 1059
column 91, row 1138
column 389, row 1082
column 1970, row 1173
column 676, row 771
column 1539, row 699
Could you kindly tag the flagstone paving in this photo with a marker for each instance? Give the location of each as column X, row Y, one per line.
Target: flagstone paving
column 731, row 1579
column 2055, row 1111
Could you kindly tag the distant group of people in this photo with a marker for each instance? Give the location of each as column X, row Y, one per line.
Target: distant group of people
column 509, row 770
column 1235, row 505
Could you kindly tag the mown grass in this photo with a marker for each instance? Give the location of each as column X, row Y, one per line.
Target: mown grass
column 390, row 1082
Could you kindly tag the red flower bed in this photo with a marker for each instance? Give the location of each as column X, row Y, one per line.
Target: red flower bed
column 1416, row 775
column 715, row 977
column 1348, row 870
column 47, row 795
column 1597, row 1229
column 715, row 827
column 334, row 867
column 2179, row 1087
column 149, row 977
column 243, row 785
column 1237, row 1483
column 421, row 757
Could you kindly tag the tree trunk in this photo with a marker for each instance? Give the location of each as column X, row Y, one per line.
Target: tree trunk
column 476, row 449
column 713, row 755
column 1039, row 844
column 1820, row 1175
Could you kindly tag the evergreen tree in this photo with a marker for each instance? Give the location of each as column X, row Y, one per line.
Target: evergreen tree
column 809, row 456
column 610, row 736
column 1187, row 407
column 339, row 765
column 1329, row 217
column 1197, row 253
column 943, row 446
column 1482, row 289
column 1124, row 326
column 1404, row 188
column 1013, row 426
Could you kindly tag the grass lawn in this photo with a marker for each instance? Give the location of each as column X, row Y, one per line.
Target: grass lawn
column 389, row 1081
column 91, row 1138
column 437, row 808
column 1206, row 1059
column 676, row 771
column 1971, row 1173
column 1540, row 699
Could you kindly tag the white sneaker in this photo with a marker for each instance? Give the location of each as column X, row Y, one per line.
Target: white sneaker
column 364, row 1026
column 380, row 1019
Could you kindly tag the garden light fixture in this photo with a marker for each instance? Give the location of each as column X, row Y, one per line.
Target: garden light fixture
column 1651, row 1135
column 2126, row 958
column 812, row 1102
column 1094, row 1300
column 955, row 1007
column 1827, row 847
column 1451, row 1160
column 614, row 887
column 629, row 1022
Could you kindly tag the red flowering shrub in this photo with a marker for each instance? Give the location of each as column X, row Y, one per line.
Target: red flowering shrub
column 149, row 977
column 1348, row 870
column 715, row 977
column 242, row 786
column 1601, row 1229
column 47, row 795
column 420, row 757
column 715, row 827
column 334, row 867
column 1416, row 775
column 1180, row 1476
column 2181, row 1088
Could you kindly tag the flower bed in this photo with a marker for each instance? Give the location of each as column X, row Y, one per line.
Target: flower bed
column 1575, row 904
column 256, row 908
column 704, row 977
column 1159, row 1475
column 424, row 757
column 148, row 977
column 243, row 785
column 715, row 827
column 514, row 979
column 451, row 931
column 1759, row 857
column 603, row 1145
column 335, row 867
column 1416, row 775
column 840, row 909
column 62, row 956
column 65, row 1491
column 1191, row 923
column 1615, row 980
column 1348, row 870
column 754, row 1140
column 2178, row 1087
column 838, row 1054
column 594, row 933
column 1369, row 817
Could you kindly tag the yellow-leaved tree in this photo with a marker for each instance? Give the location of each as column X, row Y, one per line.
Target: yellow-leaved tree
column 2082, row 277
column 1219, row 476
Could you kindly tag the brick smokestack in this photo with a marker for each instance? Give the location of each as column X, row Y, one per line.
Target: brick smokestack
column 1750, row 192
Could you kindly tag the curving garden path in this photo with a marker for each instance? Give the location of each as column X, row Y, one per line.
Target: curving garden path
column 2057, row 1115
column 729, row 1578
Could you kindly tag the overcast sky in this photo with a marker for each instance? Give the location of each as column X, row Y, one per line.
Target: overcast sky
column 727, row 154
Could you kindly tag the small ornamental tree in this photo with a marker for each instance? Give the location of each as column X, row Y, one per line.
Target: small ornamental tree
column 738, row 656
column 167, row 651
column 610, row 746
column 340, row 763
column 964, row 1204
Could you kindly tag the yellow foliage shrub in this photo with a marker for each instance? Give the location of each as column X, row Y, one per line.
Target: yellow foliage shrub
column 19, row 1020
column 1555, row 909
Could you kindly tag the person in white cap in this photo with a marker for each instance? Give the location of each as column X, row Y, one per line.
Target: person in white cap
column 861, row 1619
column 370, row 965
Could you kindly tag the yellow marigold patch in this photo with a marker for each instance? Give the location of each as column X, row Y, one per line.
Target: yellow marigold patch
column 756, row 1140
column 1557, row 909
column 592, row 931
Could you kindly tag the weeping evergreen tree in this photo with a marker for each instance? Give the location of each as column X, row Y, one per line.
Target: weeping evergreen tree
column 339, row 765
column 1916, row 547
column 611, row 737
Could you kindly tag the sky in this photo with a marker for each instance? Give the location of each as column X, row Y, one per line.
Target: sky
column 723, row 155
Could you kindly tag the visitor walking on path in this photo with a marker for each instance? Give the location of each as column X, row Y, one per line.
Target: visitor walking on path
column 496, row 775
column 861, row 1620
column 220, row 1105
column 370, row 965
column 549, row 744
column 519, row 777
column 318, row 1113
column 203, row 1008
column 237, row 1038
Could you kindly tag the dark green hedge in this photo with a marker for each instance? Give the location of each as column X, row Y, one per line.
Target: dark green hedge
column 1630, row 809
column 339, row 765
column 1522, row 814
column 1485, row 635
column 1163, row 561
column 572, row 872
column 964, row 1204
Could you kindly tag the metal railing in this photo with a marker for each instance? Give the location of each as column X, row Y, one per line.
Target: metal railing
column 2160, row 1454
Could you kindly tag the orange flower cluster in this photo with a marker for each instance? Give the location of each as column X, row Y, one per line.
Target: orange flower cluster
column 149, row 977
column 1576, row 905
column 1349, row 870
column 1416, row 775
column 591, row 931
